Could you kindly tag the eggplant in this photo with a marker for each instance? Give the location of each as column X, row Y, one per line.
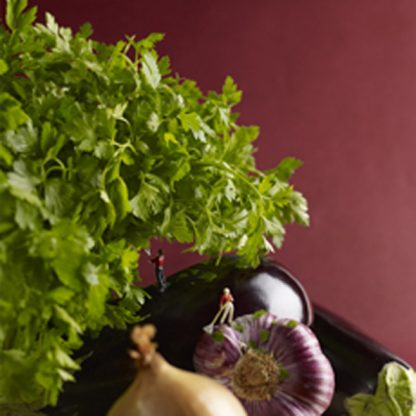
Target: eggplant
column 356, row 358
column 190, row 303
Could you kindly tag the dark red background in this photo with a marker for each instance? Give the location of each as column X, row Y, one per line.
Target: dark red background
column 330, row 82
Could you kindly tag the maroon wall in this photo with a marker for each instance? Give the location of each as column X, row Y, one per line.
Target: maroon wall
column 333, row 83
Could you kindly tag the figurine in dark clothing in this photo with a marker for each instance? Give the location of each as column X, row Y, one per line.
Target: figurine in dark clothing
column 159, row 262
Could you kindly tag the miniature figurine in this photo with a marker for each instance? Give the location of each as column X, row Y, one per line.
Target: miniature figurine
column 225, row 312
column 227, row 304
column 159, row 262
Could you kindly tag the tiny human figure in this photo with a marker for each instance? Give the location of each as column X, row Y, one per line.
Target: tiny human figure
column 227, row 306
column 225, row 312
column 159, row 262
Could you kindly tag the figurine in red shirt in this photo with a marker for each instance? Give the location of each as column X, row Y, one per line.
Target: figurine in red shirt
column 159, row 262
column 226, row 311
column 227, row 306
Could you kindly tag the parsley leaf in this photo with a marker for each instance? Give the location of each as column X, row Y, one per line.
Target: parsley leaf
column 102, row 148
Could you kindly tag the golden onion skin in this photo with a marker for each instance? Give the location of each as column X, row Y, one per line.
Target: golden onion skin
column 161, row 389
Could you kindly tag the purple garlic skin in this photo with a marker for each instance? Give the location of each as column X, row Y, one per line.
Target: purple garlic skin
column 275, row 367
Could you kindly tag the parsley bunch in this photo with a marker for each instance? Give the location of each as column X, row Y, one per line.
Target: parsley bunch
column 102, row 149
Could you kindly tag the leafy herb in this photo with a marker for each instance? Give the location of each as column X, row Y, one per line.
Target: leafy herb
column 102, row 149
column 395, row 394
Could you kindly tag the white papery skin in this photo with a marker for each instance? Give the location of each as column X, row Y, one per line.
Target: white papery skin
column 307, row 380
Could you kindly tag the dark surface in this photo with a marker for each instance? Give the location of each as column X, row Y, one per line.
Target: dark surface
column 190, row 303
column 355, row 358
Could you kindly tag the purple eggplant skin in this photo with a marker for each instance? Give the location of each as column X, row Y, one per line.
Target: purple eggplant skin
column 189, row 303
column 192, row 301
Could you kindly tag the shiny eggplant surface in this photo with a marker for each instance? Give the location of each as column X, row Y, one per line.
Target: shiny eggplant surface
column 190, row 303
column 355, row 358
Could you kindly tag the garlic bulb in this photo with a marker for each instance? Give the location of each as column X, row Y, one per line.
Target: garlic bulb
column 275, row 367
column 163, row 390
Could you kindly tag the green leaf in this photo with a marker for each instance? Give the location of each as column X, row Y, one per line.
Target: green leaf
column 181, row 171
column 17, row 379
column 395, row 394
column 153, row 123
column 129, row 258
column 23, row 140
column 26, row 19
column 56, row 147
column 230, row 191
column 190, row 121
column 12, row 115
column 14, row 10
column 170, row 138
column 51, row 24
column 287, row 167
column 119, row 194
column 46, row 139
column 58, row 198
column 61, row 295
column 3, row 67
column 65, row 375
column 98, row 289
column 150, row 41
column 4, row 228
column 139, row 294
column 401, row 387
column 65, row 247
column 118, row 111
column 15, row 117
column 6, row 156
column 231, row 92
column 86, row 30
column 150, row 69
column 147, row 201
column 180, row 229
column 64, row 316
column 26, row 216
column 22, row 183
column 64, row 360
column 104, row 150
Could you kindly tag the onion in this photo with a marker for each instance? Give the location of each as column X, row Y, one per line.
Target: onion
column 163, row 390
column 275, row 367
